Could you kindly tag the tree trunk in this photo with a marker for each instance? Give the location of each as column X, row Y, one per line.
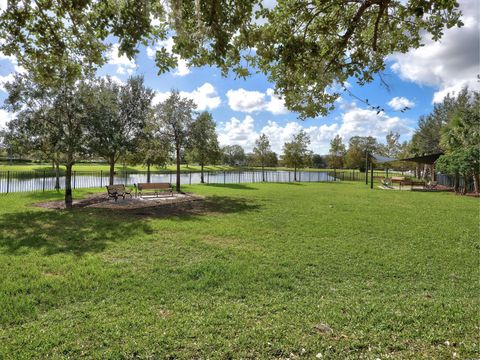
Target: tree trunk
column 201, row 174
column 456, row 182
column 112, row 169
column 294, row 173
column 68, row 185
column 148, row 172
column 178, row 169
column 476, row 182
column 57, row 176
column 465, row 183
column 263, row 172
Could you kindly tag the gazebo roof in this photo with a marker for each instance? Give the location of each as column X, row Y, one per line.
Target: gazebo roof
column 379, row 159
column 425, row 159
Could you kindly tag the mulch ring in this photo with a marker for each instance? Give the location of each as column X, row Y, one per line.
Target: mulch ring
column 100, row 201
column 60, row 204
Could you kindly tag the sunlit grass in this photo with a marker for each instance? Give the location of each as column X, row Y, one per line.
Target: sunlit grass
column 392, row 274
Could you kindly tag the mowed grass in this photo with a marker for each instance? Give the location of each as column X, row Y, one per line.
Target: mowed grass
column 392, row 274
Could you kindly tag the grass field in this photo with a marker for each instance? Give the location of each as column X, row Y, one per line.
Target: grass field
column 268, row 271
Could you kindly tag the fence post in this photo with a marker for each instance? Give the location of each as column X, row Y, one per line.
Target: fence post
column 101, row 178
column 288, row 175
column 43, row 184
column 224, row 176
column 239, row 177
column 190, row 181
column 8, row 181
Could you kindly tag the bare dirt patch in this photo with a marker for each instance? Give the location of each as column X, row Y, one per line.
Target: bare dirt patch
column 100, row 201
column 60, row 204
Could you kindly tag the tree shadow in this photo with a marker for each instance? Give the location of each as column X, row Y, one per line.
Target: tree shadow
column 58, row 231
column 89, row 230
column 192, row 210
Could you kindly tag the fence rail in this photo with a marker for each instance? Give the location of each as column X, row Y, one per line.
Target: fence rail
column 27, row 181
column 45, row 180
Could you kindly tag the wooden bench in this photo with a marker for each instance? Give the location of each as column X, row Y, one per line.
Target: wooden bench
column 157, row 188
column 116, row 191
column 412, row 183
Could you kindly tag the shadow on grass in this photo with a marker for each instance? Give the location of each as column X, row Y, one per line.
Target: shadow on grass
column 88, row 230
column 213, row 205
column 77, row 231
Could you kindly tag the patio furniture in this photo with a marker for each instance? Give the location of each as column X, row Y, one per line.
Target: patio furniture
column 116, row 191
column 157, row 188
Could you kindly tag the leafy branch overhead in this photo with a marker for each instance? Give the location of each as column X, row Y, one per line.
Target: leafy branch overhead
column 305, row 47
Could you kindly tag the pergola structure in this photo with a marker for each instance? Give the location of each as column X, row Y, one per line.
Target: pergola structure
column 379, row 159
column 426, row 160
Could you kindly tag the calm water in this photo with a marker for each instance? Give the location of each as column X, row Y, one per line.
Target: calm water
column 88, row 180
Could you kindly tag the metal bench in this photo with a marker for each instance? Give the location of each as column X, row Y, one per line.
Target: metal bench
column 116, row 191
column 157, row 188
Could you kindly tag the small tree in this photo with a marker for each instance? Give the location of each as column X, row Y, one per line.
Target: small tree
column 358, row 147
column 174, row 118
column 337, row 152
column 296, row 153
column 58, row 118
column 318, row 161
column 203, row 145
column 462, row 161
column 233, row 155
column 117, row 116
column 261, row 152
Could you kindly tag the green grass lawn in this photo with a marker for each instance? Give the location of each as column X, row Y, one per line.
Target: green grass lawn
column 393, row 274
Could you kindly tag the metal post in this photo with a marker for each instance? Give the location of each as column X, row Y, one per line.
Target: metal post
column 366, row 166
column 101, row 178
column 371, row 175
column 74, row 182
column 190, row 178
column 43, row 184
column 8, row 181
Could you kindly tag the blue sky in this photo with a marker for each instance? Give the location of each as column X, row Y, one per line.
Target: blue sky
column 243, row 109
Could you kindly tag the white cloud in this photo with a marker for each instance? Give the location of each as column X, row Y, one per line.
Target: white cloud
column 399, row 103
column 245, row 101
column 238, row 132
column 204, row 96
column 276, row 105
column 160, row 97
column 353, row 121
column 5, row 79
column 449, row 64
column 123, row 63
column 182, row 68
column 5, row 117
column 254, row 101
column 366, row 122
